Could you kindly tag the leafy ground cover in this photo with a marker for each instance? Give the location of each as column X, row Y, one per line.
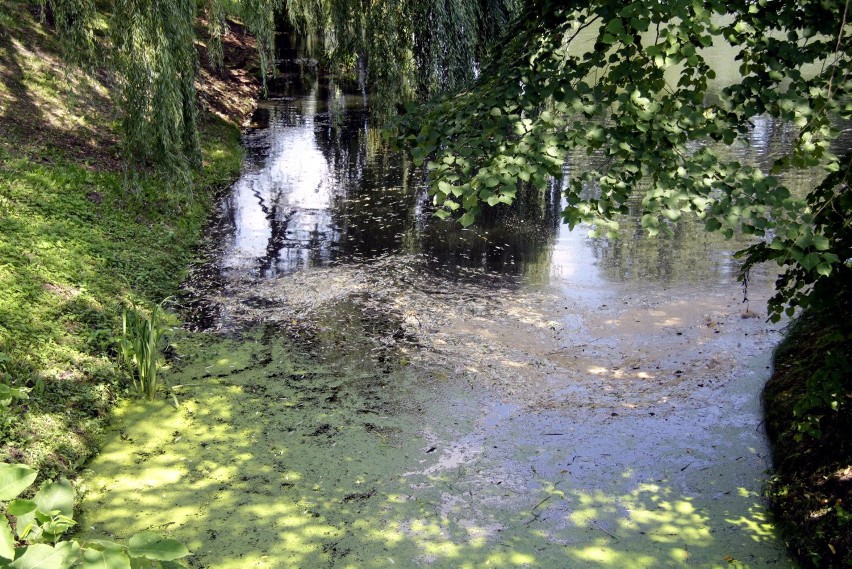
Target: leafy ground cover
column 78, row 239
column 811, row 490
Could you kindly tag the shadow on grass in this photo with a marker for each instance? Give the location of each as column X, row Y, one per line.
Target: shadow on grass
column 275, row 461
column 45, row 101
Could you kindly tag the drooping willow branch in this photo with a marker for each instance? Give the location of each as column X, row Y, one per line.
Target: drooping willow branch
column 413, row 49
column 151, row 52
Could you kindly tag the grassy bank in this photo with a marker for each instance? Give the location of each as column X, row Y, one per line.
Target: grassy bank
column 77, row 241
column 811, row 490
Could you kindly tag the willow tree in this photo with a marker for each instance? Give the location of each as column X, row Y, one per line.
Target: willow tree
column 412, row 49
column 150, row 50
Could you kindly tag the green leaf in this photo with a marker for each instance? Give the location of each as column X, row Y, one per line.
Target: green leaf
column 70, row 550
column 820, row 243
column 40, row 556
column 102, row 545
column 7, row 392
column 615, row 26
column 56, row 496
column 712, row 224
column 7, row 540
column 21, row 507
column 649, row 221
column 810, row 261
column 152, row 546
column 27, row 525
column 14, row 479
column 104, row 559
column 491, row 181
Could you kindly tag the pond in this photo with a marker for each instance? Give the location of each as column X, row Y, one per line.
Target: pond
column 375, row 387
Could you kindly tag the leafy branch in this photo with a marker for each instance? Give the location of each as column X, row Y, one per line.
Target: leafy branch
column 538, row 102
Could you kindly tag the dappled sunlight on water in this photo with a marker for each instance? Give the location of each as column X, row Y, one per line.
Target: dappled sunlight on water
column 275, row 461
column 384, row 388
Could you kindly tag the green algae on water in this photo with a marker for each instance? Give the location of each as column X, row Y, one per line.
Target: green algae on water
column 269, row 461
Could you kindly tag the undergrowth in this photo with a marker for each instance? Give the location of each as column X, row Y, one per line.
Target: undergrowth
column 78, row 242
column 809, row 418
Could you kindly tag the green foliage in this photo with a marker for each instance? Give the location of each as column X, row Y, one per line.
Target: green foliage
column 73, row 21
column 216, row 14
column 815, row 245
column 7, row 395
column 156, row 61
column 630, row 81
column 73, row 246
column 808, row 419
column 827, row 386
column 40, row 524
column 412, row 49
column 259, row 17
column 152, row 55
column 141, row 345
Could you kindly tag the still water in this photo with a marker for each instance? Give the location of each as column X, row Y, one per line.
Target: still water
column 321, row 189
column 596, row 401
column 512, row 395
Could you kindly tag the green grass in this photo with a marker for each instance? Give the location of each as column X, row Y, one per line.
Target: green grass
column 77, row 242
column 74, row 245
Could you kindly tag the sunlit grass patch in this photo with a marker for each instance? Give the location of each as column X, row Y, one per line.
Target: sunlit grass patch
column 75, row 243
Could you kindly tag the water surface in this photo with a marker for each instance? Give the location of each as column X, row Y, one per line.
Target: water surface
column 511, row 395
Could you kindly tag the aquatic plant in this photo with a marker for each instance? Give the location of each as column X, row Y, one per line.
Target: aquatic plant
column 40, row 524
column 141, row 345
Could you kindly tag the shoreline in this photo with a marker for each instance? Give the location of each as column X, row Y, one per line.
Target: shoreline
column 76, row 244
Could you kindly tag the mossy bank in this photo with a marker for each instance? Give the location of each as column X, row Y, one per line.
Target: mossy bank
column 80, row 237
column 811, row 488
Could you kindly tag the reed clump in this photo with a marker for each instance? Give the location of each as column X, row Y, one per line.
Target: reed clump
column 142, row 344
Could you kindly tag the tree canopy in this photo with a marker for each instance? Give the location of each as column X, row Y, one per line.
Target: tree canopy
column 630, row 80
column 149, row 47
column 413, row 49
column 513, row 88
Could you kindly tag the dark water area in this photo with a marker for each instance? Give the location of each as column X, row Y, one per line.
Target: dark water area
column 333, row 192
column 322, row 188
